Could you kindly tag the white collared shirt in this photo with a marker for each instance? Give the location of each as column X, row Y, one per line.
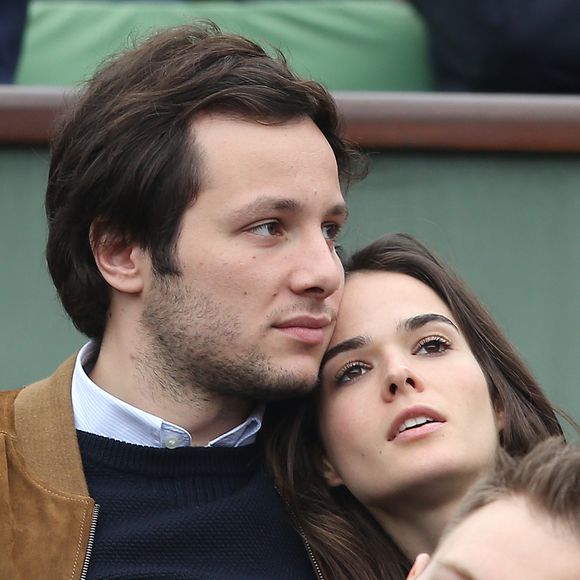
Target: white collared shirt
column 98, row 412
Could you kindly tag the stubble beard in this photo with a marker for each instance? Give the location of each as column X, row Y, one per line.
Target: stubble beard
column 188, row 352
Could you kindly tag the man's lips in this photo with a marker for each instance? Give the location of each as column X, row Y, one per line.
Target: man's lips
column 418, row 413
column 307, row 329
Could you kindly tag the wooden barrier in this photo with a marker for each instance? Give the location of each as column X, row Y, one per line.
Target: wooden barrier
column 404, row 121
column 489, row 182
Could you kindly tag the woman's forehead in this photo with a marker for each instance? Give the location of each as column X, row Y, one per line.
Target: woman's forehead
column 390, row 293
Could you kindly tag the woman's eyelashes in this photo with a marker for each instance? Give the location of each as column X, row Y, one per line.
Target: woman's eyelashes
column 432, row 345
column 350, row 372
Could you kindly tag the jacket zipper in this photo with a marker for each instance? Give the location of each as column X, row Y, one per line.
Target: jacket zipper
column 313, row 560
column 90, row 542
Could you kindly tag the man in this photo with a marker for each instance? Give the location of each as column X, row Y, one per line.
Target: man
column 518, row 46
column 12, row 24
column 523, row 521
column 193, row 205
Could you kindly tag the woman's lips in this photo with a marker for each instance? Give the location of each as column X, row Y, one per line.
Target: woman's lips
column 415, row 413
column 418, row 432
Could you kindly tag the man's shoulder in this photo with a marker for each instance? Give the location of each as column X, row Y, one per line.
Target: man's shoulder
column 39, row 396
column 39, row 420
column 7, row 411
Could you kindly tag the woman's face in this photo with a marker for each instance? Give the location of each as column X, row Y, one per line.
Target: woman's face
column 405, row 410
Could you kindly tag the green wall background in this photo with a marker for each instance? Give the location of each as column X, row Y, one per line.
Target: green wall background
column 507, row 223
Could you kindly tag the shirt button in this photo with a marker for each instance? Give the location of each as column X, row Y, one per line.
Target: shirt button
column 172, row 442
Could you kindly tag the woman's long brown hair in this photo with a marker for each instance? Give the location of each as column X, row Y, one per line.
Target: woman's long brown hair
column 346, row 541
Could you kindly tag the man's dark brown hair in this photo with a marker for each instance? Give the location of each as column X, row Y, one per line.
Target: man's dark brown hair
column 124, row 162
column 547, row 478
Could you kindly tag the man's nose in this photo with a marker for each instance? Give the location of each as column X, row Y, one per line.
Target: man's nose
column 317, row 271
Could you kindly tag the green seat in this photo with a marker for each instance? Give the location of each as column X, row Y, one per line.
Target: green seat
column 347, row 45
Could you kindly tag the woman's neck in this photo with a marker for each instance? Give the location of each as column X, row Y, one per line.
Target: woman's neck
column 417, row 520
column 417, row 531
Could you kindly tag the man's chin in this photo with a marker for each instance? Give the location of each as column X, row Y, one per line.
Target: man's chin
column 288, row 389
column 261, row 379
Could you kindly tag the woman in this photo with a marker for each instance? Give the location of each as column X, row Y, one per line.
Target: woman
column 418, row 390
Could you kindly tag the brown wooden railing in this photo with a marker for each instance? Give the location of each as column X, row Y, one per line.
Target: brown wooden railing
column 426, row 121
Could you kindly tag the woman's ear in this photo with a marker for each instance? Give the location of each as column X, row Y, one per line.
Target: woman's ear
column 500, row 420
column 330, row 474
column 498, row 409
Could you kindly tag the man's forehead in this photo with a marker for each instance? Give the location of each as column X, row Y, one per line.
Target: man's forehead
column 212, row 134
column 213, row 121
column 504, row 539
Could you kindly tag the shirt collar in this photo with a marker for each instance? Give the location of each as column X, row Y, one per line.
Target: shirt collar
column 97, row 411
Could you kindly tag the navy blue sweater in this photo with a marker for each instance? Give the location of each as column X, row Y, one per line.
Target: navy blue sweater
column 187, row 513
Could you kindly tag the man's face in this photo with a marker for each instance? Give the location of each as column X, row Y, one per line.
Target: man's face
column 260, row 285
column 506, row 540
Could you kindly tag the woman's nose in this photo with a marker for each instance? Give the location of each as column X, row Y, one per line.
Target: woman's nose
column 400, row 380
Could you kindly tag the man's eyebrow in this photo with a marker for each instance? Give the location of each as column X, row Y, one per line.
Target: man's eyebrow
column 339, row 210
column 274, row 203
column 345, row 345
column 420, row 320
column 269, row 203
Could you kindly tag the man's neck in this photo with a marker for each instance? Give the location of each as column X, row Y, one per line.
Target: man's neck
column 133, row 377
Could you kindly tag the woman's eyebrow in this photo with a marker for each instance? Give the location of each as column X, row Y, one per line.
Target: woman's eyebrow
column 349, row 344
column 408, row 325
column 420, row 320
column 461, row 572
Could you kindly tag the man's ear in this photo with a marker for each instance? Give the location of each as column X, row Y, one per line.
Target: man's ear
column 330, row 474
column 420, row 564
column 122, row 264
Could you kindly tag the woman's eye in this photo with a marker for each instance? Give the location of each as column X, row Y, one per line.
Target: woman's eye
column 432, row 345
column 350, row 372
column 331, row 231
column 267, row 229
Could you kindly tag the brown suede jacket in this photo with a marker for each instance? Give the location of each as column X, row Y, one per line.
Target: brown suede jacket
column 45, row 509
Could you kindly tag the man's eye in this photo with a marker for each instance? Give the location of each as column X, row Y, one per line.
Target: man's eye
column 432, row 345
column 350, row 372
column 331, row 231
column 267, row 229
